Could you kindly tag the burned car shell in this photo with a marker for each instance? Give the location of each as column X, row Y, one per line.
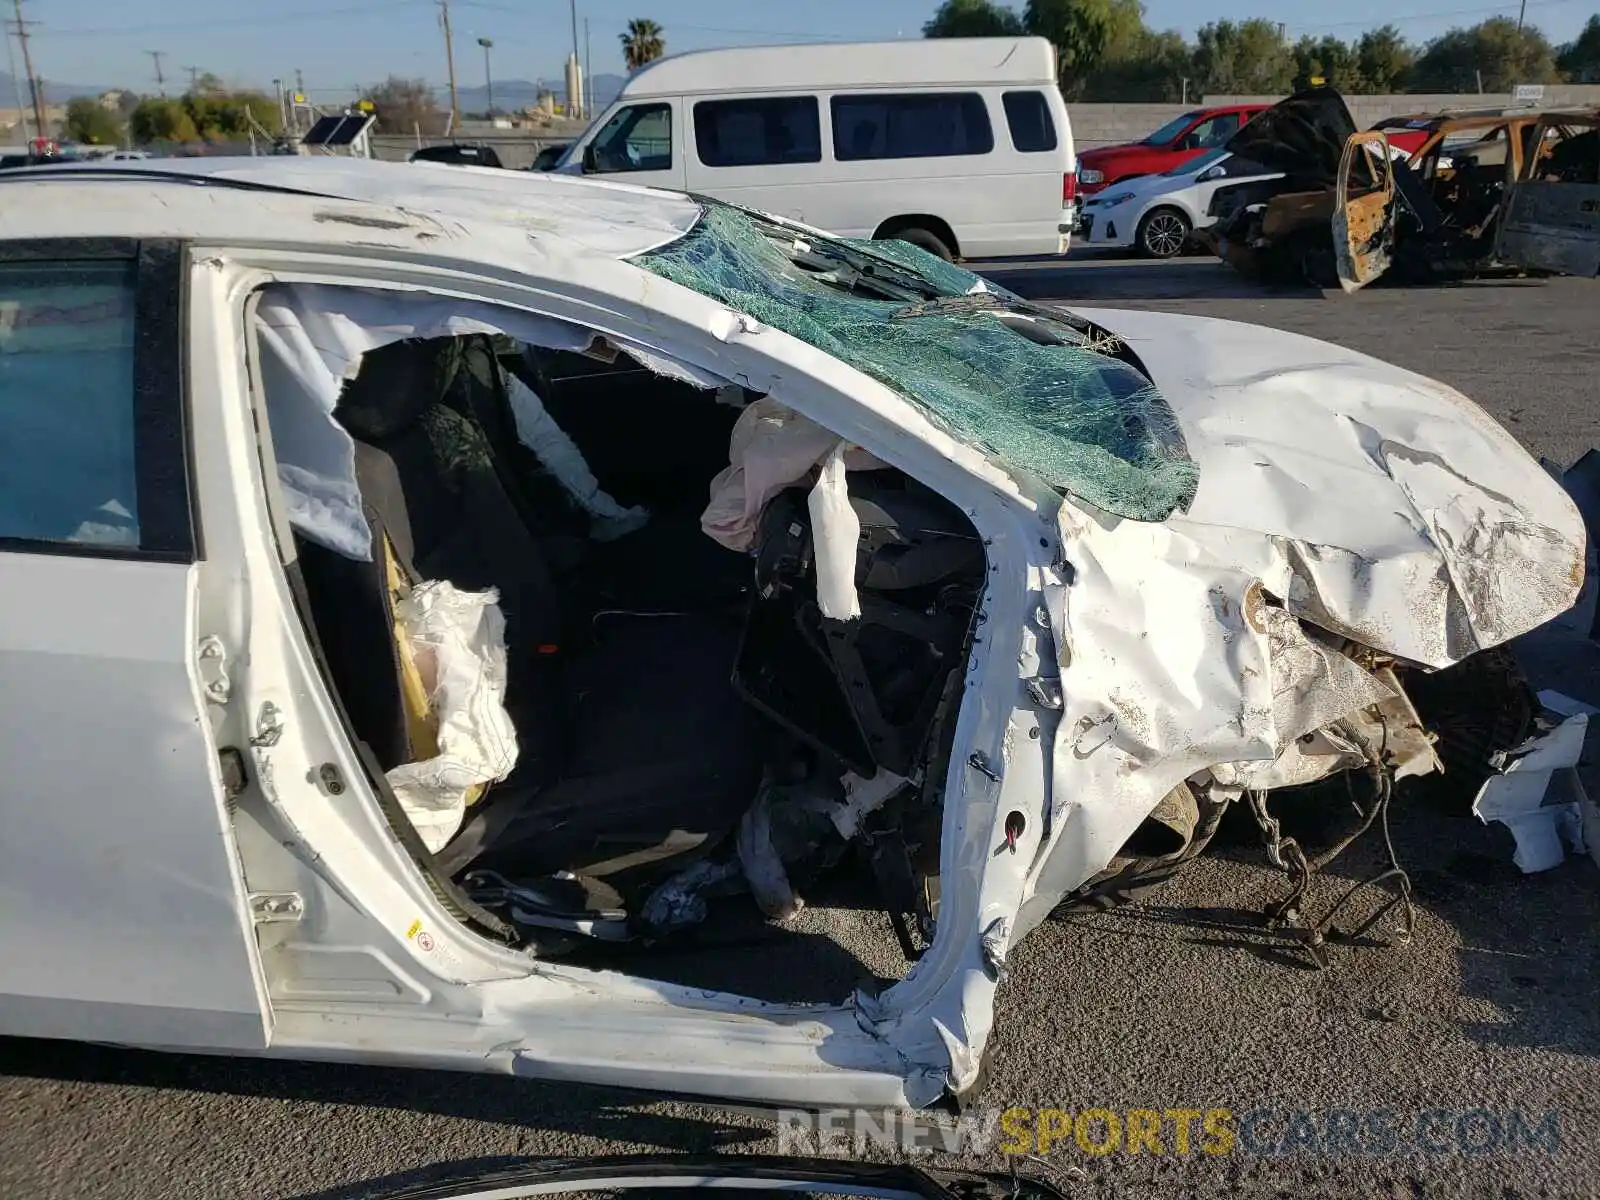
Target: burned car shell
column 1551, row 219
column 1439, row 209
column 1117, row 659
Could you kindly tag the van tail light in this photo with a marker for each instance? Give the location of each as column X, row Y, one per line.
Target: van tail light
column 1069, row 188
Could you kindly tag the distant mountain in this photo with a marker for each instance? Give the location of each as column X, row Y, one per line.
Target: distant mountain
column 513, row 94
column 54, row 93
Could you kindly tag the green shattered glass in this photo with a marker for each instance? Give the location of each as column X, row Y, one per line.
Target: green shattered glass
column 1071, row 413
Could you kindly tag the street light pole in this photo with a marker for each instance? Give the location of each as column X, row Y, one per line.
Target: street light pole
column 488, row 76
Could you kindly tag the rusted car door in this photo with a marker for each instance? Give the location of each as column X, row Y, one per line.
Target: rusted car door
column 1552, row 214
column 1363, row 212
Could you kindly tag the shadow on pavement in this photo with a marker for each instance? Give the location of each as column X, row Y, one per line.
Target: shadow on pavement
column 536, row 1105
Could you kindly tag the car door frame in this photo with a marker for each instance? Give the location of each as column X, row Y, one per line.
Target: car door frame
column 673, row 178
column 127, row 914
column 1548, row 225
column 1363, row 225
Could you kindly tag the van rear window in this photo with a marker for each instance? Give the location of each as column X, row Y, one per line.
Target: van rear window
column 919, row 125
column 758, row 132
column 1028, row 115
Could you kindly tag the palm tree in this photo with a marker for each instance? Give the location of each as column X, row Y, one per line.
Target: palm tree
column 642, row 43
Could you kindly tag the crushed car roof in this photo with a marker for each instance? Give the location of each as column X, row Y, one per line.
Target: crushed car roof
column 614, row 219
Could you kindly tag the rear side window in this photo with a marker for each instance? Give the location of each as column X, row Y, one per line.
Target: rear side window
column 92, row 447
column 1028, row 116
column 925, row 125
column 67, row 469
column 758, row 132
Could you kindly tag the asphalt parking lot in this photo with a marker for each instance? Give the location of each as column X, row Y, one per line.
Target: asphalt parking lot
column 1178, row 1003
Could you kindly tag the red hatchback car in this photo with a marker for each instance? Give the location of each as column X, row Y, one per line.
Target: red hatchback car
column 1176, row 142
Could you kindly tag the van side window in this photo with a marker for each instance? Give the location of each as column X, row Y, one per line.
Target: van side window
column 924, row 125
column 1028, row 115
column 638, row 138
column 758, row 131
column 67, row 397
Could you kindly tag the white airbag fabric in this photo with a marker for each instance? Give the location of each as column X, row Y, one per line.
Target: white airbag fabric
column 772, row 447
column 538, row 431
column 459, row 642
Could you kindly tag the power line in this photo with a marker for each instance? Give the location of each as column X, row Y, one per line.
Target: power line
column 1410, row 18
column 262, row 21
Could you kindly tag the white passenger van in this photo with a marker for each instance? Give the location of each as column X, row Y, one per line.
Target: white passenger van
column 959, row 145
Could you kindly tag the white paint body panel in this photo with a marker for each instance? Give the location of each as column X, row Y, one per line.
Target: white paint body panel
column 1371, row 501
column 997, row 204
column 1302, row 446
column 122, row 915
column 1187, row 193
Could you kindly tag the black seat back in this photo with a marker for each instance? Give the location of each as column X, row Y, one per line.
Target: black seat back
column 446, row 491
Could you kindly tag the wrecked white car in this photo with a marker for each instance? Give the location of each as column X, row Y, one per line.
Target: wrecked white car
column 459, row 619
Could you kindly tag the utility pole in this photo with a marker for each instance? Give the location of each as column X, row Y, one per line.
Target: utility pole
column 27, row 65
column 161, row 80
column 450, row 64
column 16, row 84
column 488, row 76
column 575, row 58
column 588, row 63
column 1521, row 14
column 194, row 78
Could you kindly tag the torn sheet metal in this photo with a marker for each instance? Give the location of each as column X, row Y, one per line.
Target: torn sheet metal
column 1539, row 797
column 1373, row 502
column 1367, row 501
column 458, row 645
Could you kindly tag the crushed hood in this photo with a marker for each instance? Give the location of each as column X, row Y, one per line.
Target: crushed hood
column 1337, row 493
column 1302, row 136
column 1375, row 502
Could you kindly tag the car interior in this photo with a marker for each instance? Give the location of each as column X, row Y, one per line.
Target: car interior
column 659, row 683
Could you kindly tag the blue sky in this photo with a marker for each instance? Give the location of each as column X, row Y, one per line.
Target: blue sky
column 344, row 43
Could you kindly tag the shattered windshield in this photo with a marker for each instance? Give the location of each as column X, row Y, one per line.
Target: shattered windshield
column 1038, row 388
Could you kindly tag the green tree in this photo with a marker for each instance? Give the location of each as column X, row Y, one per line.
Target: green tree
column 92, row 123
column 1243, row 58
column 1329, row 60
column 972, row 18
column 404, row 104
column 642, row 43
column 1384, row 60
column 161, row 120
column 1149, row 67
column 1504, row 55
column 1080, row 30
column 1580, row 58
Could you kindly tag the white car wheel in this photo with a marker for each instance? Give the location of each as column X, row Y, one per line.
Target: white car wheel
column 1162, row 233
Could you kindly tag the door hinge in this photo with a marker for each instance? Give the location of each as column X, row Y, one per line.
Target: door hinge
column 267, row 908
column 212, row 663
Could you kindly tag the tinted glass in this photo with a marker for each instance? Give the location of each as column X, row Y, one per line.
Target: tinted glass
column 758, row 132
column 1028, row 115
column 1214, row 131
column 638, row 138
column 1170, row 130
column 67, row 403
column 927, row 125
